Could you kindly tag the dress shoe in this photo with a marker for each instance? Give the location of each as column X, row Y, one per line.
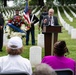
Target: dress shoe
column 0, row 50
column 33, row 44
column 27, row 44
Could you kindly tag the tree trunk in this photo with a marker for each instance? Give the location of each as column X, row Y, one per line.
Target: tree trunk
column 5, row 3
column 41, row 2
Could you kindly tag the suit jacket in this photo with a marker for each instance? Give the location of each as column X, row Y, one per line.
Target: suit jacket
column 1, row 20
column 34, row 19
column 54, row 21
column 43, row 14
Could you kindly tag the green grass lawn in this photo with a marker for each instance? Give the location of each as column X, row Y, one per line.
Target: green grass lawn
column 66, row 19
column 71, row 43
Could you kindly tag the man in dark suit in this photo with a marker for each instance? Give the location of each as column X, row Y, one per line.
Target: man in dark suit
column 33, row 20
column 50, row 20
column 1, row 31
column 44, row 13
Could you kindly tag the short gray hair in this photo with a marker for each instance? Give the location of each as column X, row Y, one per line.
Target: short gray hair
column 43, row 69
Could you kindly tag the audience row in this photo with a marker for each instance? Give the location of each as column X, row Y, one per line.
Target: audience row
column 14, row 62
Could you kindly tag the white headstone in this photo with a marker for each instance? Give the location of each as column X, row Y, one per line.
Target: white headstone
column 40, row 40
column 35, row 55
column 70, row 28
column 5, row 39
column 73, row 33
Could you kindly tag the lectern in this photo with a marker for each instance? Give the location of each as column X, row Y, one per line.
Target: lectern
column 50, row 37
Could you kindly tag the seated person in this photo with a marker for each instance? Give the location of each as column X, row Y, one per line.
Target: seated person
column 14, row 62
column 16, row 22
column 59, row 60
column 43, row 69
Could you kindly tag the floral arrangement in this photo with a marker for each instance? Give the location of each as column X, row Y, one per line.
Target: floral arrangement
column 27, row 26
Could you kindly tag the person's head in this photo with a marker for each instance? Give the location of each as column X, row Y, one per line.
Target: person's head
column 14, row 46
column 60, row 48
column 17, row 12
column 51, row 12
column 43, row 69
column 45, row 9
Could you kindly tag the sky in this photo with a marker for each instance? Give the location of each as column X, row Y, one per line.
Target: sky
column 10, row 3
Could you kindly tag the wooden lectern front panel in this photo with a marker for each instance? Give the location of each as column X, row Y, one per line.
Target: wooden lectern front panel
column 47, row 44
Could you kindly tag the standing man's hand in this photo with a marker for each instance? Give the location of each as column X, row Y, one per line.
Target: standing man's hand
column 45, row 20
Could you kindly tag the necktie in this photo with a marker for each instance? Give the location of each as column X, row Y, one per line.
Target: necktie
column 50, row 21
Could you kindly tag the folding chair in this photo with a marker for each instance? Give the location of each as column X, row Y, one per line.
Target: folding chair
column 14, row 73
column 64, row 72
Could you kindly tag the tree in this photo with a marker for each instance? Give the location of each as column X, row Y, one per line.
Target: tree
column 36, row 2
column 19, row 2
column 5, row 3
column 62, row 2
column 41, row 2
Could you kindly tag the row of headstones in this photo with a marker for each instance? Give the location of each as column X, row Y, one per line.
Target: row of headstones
column 38, row 12
column 73, row 7
column 67, row 15
column 73, row 13
column 9, row 13
column 71, row 30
